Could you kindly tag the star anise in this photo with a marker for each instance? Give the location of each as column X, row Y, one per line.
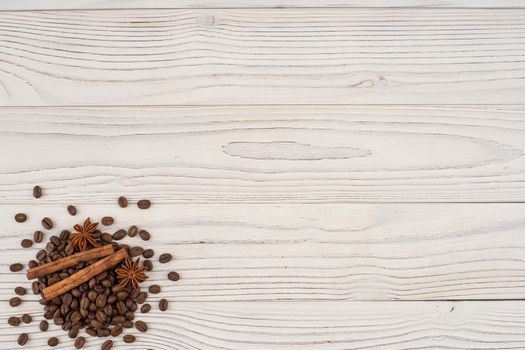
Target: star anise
column 131, row 273
column 84, row 235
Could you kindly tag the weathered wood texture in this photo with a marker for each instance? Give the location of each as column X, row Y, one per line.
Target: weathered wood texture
column 308, row 252
column 263, row 56
column 260, row 154
column 192, row 4
column 306, row 326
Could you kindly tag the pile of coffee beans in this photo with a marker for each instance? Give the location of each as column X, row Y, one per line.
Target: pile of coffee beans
column 100, row 307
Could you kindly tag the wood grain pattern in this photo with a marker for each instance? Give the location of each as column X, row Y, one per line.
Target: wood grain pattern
column 258, row 154
column 324, row 326
column 309, row 252
column 262, row 56
column 192, row 4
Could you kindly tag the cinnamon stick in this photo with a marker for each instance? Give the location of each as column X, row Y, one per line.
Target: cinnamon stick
column 72, row 260
column 84, row 275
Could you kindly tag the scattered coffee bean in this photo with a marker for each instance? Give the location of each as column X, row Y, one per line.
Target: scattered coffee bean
column 165, row 258
column 37, row 191
column 73, row 332
column 115, row 331
column 154, row 289
column 15, row 301
column 148, row 265
column 22, row 339
column 129, row 338
column 136, row 251
column 35, row 287
column 32, row 263
column 38, row 236
column 122, row 202
column 132, row 231
column 47, row 223
column 141, row 298
column 53, row 341
column 144, row 235
column 41, row 255
column 14, row 321
column 163, row 305
column 20, row 291
column 173, row 276
column 20, row 217
column 141, row 326
column 26, row 318
column 72, row 210
column 79, row 342
column 106, row 237
column 107, row 221
column 117, row 236
column 26, row 243
column 43, row 326
column 16, row 267
column 148, row 253
column 145, row 308
column 144, row 204
column 108, row 344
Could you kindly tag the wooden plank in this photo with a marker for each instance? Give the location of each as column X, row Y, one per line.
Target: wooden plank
column 196, row 4
column 308, row 252
column 262, row 56
column 256, row 154
column 327, row 326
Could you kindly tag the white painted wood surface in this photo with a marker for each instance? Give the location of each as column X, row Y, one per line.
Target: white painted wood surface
column 258, row 154
column 262, row 56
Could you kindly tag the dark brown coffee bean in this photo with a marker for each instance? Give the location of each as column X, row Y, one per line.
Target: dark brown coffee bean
column 121, row 307
column 131, row 304
column 38, row 236
column 53, row 341
column 148, row 253
column 20, row 291
column 127, row 324
column 14, row 302
column 26, row 243
column 107, row 345
column 118, row 319
column 165, row 258
column 173, row 276
column 106, row 237
column 26, row 318
column 163, row 305
column 122, row 202
column 136, row 251
column 72, row 210
column 101, row 316
column 115, row 331
column 32, row 263
column 37, row 191
column 55, row 240
column 43, row 326
column 73, row 332
column 91, row 331
column 129, row 338
column 107, row 220
column 144, row 204
column 64, row 235
column 117, row 236
column 84, row 303
column 101, row 301
column 103, row 332
column 122, row 295
column 14, row 321
column 79, row 342
column 154, row 289
column 35, row 287
column 132, row 231
column 148, row 265
column 141, row 298
column 145, row 308
column 20, row 217
column 47, row 223
column 141, row 326
column 41, row 255
column 144, row 235
column 22, row 339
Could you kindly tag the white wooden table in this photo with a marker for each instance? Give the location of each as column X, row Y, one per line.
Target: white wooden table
column 329, row 174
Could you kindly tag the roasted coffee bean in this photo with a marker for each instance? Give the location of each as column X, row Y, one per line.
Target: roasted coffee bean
column 84, row 303
column 132, row 305
column 53, row 341
column 141, row 298
column 130, row 316
column 20, row 291
column 107, row 220
column 91, row 331
column 154, row 289
column 127, row 324
column 37, row 191
column 35, row 287
column 26, row 243
column 173, row 276
column 132, row 231
column 64, row 235
column 32, row 263
column 122, row 202
column 118, row 319
column 101, row 301
column 144, row 235
column 16, row 267
column 134, row 294
column 145, row 308
column 14, row 321
column 101, row 316
column 144, row 204
column 115, row 331
column 141, row 326
column 38, row 236
column 79, row 342
column 73, row 332
column 129, row 338
column 103, row 332
column 67, row 298
column 20, row 217
column 75, row 316
column 72, row 210
column 107, row 345
column 148, row 253
column 117, row 236
column 22, row 339
column 163, row 305
column 165, row 258
column 122, row 295
column 26, row 318
column 92, row 295
column 55, row 240
column 47, row 223
column 14, row 302
column 121, row 307
column 50, row 247
column 106, row 237
column 148, row 265
column 43, row 326
column 41, row 255
column 136, row 251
